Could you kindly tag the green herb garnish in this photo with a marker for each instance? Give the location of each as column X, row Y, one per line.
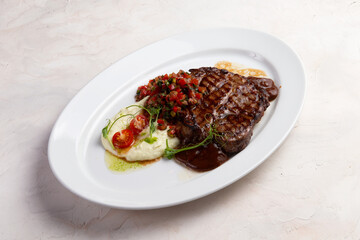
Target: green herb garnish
column 105, row 130
column 170, row 152
column 150, row 140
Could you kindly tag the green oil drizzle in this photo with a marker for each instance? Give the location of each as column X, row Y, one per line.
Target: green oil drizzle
column 119, row 165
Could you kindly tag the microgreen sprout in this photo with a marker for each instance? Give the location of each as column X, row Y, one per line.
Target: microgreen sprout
column 170, row 152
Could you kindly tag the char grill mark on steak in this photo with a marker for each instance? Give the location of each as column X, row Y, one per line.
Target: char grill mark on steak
column 233, row 105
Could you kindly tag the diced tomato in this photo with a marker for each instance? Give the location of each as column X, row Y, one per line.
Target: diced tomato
column 198, row 95
column 202, row 89
column 143, row 92
column 155, row 91
column 182, row 82
column 171, row 87
column 194, row 81
column 123, row 139
column 181, row 96
column 173, row 95
column 160, row 121
column 151, row 101
column 178, row 102
column 138, row 124
column 175, row 109
column 186, row 75
column 161, row 124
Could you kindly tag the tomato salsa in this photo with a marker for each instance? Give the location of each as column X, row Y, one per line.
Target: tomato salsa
column 172, row 93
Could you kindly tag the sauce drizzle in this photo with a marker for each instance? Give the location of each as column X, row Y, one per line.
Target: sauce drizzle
column 203, row 158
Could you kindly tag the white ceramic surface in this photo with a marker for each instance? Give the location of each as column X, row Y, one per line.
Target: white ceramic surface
column 77, row 157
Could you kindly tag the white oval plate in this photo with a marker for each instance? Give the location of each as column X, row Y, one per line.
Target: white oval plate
column 77, row 158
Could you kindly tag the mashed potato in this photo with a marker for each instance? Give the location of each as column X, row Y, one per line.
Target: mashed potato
column 140, row 150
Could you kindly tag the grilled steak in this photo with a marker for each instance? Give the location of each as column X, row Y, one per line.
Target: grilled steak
column 233, row 105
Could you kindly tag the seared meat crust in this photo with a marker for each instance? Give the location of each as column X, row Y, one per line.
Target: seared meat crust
column 233, row 105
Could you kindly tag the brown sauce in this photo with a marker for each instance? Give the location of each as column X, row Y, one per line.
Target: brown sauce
column 203, row 158
column 266, row 85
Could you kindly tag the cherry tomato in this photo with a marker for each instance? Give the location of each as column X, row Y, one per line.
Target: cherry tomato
column 138, row 124
column 175, row 109
column 123, row 139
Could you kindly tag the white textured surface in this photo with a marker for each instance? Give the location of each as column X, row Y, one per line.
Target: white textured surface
column 308, row 189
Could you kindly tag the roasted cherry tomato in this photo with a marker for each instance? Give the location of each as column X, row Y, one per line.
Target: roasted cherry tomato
column 138, row 124
column 123, row 139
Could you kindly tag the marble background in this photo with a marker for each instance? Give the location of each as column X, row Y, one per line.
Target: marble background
column 308, row 189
